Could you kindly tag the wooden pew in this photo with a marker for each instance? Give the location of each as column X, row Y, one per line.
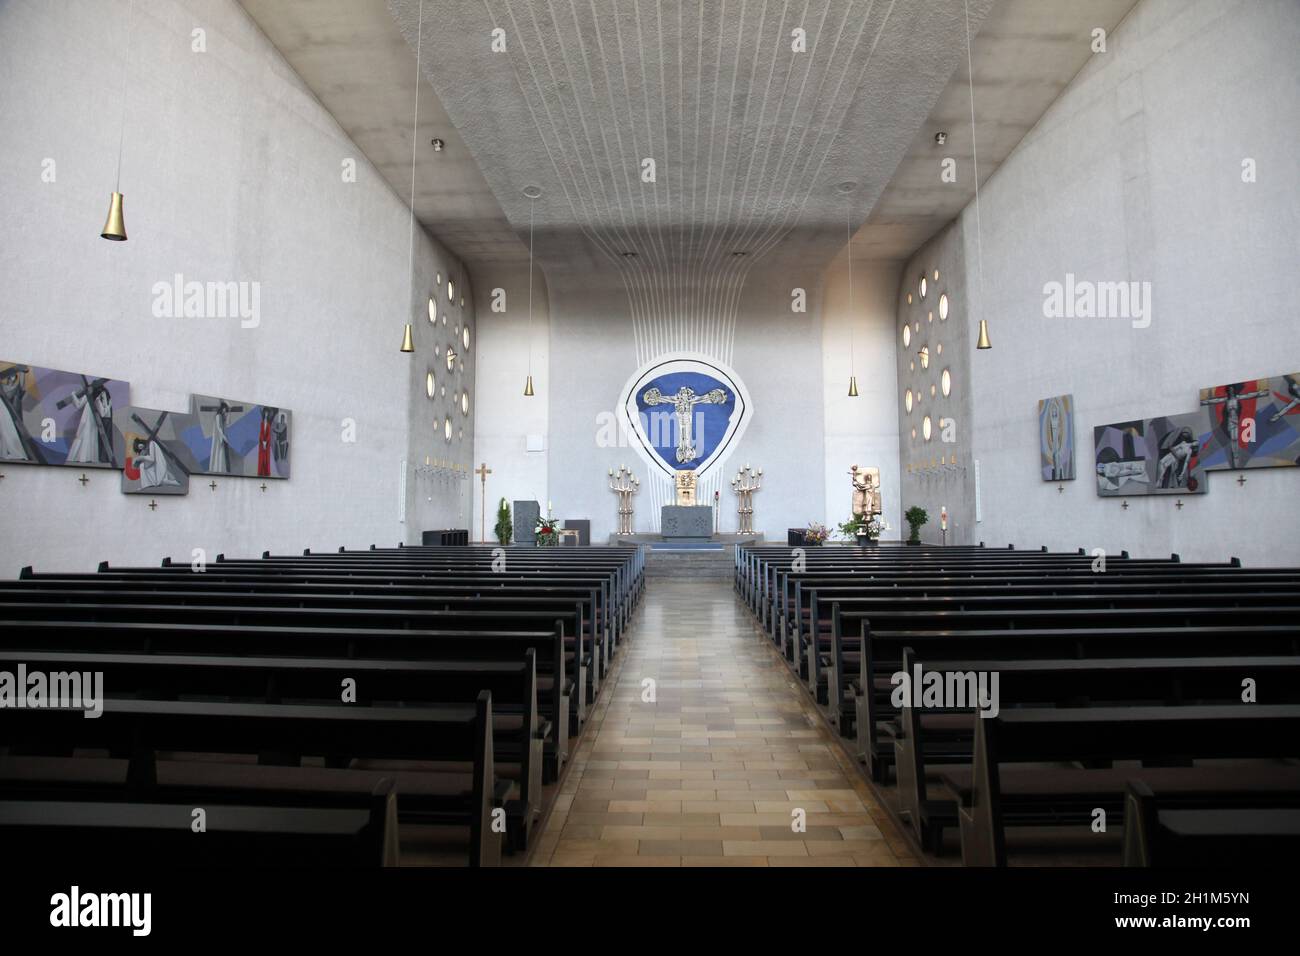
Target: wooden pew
column 925, row 735
column 1227, row 827
column 998, row 796
column 882, row 655
column 330, row 643
column 575, row 659
column 518, row 731
column 835, row 667
column 234, row 835
column 338, row 587
column 142, row 728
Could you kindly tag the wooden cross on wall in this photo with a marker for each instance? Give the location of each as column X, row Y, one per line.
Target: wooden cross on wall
column 483, row 471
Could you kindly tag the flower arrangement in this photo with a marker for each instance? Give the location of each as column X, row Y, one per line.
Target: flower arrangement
column 816, row 533
column 547, row 531
column 860, row 526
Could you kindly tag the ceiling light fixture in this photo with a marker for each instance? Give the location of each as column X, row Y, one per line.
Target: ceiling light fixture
column 407, row 344
column 983, row 342
column 532, row 192
column 437, row 144
column 940, row 138
column 848, row 251
column 115, row 226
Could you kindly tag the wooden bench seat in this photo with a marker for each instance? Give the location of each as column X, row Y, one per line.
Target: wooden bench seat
column 333, row 643
column 1036, row 796
column 283, row 734
column 161, row 834
column 519, row 733
column 1221, row 823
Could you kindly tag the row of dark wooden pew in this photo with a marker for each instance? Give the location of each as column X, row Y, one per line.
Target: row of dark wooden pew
column 298, row 709
column 1159, row 693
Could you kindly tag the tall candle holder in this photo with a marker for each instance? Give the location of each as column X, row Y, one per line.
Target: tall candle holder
column 625, row 485
column 744, row 485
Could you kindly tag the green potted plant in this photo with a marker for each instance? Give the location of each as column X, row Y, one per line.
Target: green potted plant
column 861, row 529
column 504, row 527
column 916, row 517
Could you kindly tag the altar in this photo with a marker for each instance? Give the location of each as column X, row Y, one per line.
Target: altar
column 686, row 522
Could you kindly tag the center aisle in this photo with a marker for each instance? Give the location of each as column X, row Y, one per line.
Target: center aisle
column 709, row 774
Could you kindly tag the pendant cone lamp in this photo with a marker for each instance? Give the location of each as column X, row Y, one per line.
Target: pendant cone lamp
column 848, row 251
column 983, row 341
column 532, row 192
column 115, row 225
column 408, row 345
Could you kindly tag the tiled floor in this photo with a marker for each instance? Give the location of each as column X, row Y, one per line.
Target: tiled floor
column 711, row 772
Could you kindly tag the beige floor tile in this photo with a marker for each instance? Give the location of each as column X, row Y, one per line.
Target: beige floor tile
column 710, row 773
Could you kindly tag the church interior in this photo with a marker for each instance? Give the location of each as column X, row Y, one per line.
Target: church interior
column 678, row 433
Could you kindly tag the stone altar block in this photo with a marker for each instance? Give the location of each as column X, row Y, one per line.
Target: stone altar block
column 524, row 515
column 686, row 522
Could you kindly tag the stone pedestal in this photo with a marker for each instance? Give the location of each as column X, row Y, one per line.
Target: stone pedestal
column 525, row 515
column 686, row 522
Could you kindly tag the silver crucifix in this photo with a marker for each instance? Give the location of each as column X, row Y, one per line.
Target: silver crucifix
column 684, row 403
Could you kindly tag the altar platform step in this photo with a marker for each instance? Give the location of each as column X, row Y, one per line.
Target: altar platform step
column 701, row 563
column 726, row 539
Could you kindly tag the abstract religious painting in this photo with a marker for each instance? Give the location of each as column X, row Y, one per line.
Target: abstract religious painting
column 156, row 458
column 52, row 417
column 239, row 438
column 1150, row 456
column 1056, row 437
column 684, row 412
column 1254, row 424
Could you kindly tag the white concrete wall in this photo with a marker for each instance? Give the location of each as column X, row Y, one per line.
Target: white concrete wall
column 506, row 417
column 862, row 430
column 805, row 431
column 232, row 172
column 1135, row 173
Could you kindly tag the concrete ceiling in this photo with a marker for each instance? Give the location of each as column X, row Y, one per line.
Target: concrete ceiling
column 351, row 54
column 750, row 139
column 1026, row 53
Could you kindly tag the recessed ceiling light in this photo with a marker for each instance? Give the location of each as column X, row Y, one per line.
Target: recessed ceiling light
column 739, row 253
column 628, row 254
column 846, row 187
column 533, row 192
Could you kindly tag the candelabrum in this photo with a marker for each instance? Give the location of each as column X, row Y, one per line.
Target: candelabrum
column 443, row 474
column 744, row 485
column 625, row 485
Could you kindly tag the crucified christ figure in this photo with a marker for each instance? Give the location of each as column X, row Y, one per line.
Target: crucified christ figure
column 684, row 403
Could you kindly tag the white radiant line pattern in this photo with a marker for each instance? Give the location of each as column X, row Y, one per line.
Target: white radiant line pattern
column 684, row 286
